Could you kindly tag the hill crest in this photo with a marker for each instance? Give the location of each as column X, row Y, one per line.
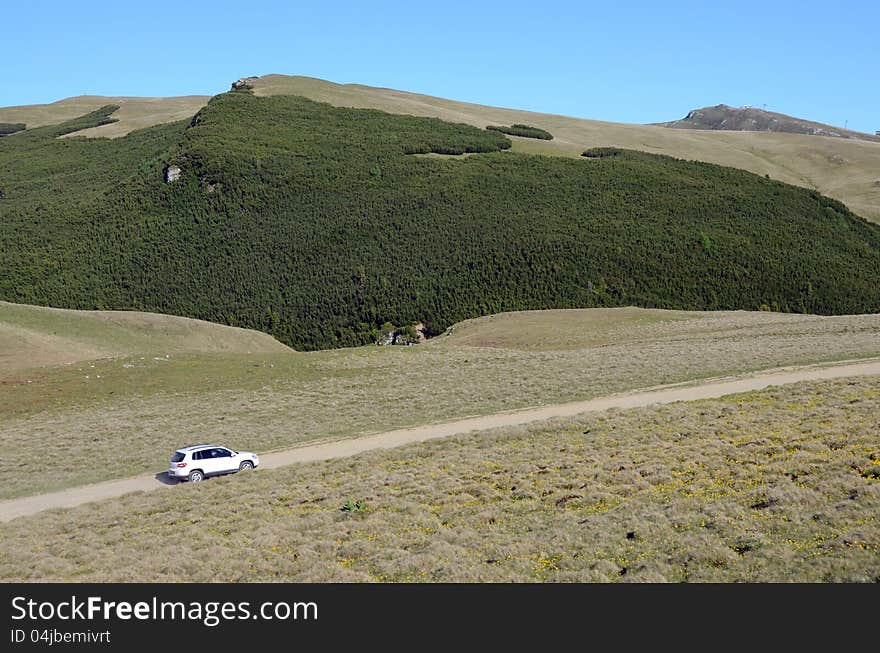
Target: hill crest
column 843, row 168
column 748, row 118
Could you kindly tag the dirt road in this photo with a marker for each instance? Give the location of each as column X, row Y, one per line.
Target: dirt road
column 338, row 449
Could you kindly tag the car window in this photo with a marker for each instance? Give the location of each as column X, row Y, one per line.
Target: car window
column 178, row 456
column 222, row 453
column 201, row 455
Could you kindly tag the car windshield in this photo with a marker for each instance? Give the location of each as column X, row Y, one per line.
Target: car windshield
column 178, row 456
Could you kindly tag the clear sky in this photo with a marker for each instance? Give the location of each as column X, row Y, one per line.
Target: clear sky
column 610, row 60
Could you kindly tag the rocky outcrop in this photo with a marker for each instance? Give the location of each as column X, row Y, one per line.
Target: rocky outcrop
column 243, row 84
column 414, row 334
column 420, row 330
column 172, row 174
column 749, row 118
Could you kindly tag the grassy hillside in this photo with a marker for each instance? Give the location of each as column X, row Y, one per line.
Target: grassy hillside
column 312, row 223
column 32, row 336
column 134, row 112
column 779, row 485
column 57, row 422
column 724, row 117
column 847, row 170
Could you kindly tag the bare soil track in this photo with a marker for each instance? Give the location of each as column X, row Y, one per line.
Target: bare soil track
column 338, row 449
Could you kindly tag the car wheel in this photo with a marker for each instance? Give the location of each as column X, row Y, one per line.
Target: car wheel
column 246, row 465
column 195, row 476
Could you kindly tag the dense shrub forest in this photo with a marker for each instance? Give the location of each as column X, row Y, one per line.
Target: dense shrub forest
column 311, row 223
column 527, row 131
column 601, row 152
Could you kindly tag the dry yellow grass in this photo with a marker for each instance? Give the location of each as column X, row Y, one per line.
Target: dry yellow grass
column 32, row 336
column 65, row 426
column 134, row 112
column 844, row 169
column 777, row 485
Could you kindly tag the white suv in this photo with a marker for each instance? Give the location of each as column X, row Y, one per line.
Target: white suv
column 202, row 460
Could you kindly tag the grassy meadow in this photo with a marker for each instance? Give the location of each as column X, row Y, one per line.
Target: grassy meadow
column 32, row 336
column 65, row 425
column 134, row 112
column 777, row 485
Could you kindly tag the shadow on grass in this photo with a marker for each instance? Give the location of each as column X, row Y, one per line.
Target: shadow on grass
column 164, row 479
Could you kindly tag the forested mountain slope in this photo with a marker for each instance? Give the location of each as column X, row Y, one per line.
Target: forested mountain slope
column 318, row 224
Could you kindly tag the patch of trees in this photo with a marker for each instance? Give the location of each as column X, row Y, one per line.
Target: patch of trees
column 96, row 118
column 602, row 152
column 320, row 230
column 527, row 131
column 439, row 137
column 7, row 128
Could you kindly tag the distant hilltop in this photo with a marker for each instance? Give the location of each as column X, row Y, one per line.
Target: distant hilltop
column 747, row 118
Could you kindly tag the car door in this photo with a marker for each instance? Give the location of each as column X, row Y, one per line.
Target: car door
column 206, row 461
column 225, row 460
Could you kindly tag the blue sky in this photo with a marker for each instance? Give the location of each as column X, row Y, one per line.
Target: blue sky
column 621, row 61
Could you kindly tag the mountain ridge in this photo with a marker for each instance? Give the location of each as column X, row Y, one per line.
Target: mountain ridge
column 748, row 118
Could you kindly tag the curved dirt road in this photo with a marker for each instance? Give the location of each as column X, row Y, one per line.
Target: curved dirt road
column 10, row 509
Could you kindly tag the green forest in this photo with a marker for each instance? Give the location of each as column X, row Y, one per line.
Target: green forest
column 527, row 131
column 319, row 224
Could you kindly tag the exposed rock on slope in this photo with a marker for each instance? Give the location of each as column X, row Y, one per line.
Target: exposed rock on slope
column 749, row 118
